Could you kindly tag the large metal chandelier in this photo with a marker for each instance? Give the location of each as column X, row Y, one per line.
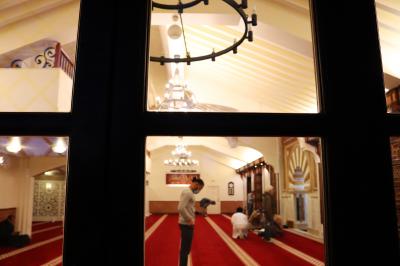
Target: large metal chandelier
column 248, row 33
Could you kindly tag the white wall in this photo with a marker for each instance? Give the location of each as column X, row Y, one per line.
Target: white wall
column 35, row 90
column 268, row 146
column 213, row 173
column 64, row 98
column 9, row 185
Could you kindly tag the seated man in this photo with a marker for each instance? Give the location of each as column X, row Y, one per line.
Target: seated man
column 256, row 220
column 273, row 228
column 204, row 202
column 6, row 230
column 240, row 224
column 8, row 237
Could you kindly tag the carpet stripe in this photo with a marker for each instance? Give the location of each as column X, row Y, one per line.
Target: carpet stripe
column 243, row 255
column 298, row 253
column 39, row 223
column 154, row 227
column 190, row 263
column 305, row 235
column 47, row 229
column 21, row 250
column 54, row 262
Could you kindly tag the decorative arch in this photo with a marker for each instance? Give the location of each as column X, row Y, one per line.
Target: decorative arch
column 300, row 168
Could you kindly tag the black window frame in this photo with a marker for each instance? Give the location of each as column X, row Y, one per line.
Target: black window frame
column 109, row 123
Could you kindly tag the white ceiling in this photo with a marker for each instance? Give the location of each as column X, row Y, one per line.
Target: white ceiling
column 237, row 156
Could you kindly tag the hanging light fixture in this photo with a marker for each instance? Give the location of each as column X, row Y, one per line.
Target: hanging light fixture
column 176, row 31
column 182, row 156
column 177, row 96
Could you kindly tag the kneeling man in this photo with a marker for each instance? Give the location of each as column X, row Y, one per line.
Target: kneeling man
column 240, row 224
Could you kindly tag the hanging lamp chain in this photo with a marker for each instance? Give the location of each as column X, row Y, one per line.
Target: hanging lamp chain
column 183, row 31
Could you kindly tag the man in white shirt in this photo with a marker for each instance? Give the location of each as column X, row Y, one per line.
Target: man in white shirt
column 240, row 224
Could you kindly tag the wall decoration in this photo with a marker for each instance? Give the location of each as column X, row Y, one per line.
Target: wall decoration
column 300, row 168
column 49, row 200
column 180, row 178
column 231, row 188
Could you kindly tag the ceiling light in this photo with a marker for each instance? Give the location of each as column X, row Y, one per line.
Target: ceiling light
column 174, row 31
column 60, row 146
column 386, row 90
column 14, row 145
column 182, row 156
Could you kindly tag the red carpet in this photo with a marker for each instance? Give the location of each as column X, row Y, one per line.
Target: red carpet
column 305, row 245
column 38, row 255
column 45, row 225
column 209, row 249
column 150, row 220
column 162, row 247
column 263, row 252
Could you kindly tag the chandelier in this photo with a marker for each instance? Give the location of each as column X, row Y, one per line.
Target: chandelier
column 182, row 156
column 177, row 96
column 239, row 8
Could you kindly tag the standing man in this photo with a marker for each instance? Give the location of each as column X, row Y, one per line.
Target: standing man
column 186, row 218
column 250, row 203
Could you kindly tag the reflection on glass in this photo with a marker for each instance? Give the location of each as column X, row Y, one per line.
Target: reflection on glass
column 272, row 70
column 37, row 55
column 279, row 191
column 395, row 145
column 388, row 15
column 32, row 199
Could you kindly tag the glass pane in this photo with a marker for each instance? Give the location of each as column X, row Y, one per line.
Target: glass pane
column 275, row 181
column 388, row 14
column 33, row 173
column 272, row 71
column 37, row 55
column 395, row 145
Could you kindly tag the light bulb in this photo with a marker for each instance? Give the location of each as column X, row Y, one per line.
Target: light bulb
column 14, row 145
column 60, row 146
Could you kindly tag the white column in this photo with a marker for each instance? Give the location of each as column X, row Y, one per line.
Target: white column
column 25, row 199
column 146, row 196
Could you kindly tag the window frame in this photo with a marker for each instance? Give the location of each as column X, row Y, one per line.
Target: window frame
column 108, row 125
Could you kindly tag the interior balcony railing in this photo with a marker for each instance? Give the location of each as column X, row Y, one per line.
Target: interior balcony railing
column 41, row 54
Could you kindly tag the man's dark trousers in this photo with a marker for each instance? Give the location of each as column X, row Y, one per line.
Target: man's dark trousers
column 186, row 243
